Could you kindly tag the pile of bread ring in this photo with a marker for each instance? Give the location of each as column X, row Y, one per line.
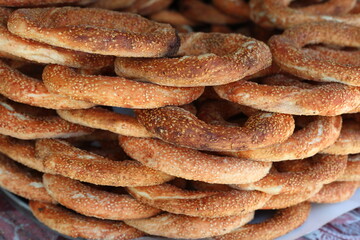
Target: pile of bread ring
column 180, row 119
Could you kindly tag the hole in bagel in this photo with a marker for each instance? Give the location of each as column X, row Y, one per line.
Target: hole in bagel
column 262, row 216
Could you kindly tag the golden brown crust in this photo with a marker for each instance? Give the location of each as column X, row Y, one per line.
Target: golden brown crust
column 287, row 52
column 210, row 204
column 182, row 226
column 21, row 151
column 34, row 3
column 115, row 91
column 101, row 118
column 348, row 141
column 318, row 134
column 22, row 181
column 275, row 13
column 192, row 164
column 282, row 222
column 44, row 53
column 178, row 126
column 285, row 94
column 76, row 225
column 21, row 88
column 204, row 59
column 20, row 124
column 62, row 158
column 320, row 169
column 335, row 192
column 284, row 200
column 95, row 30
column 352, row 171
column 93, row 202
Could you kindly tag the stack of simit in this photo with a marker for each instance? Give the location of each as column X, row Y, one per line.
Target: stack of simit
column 225, row 124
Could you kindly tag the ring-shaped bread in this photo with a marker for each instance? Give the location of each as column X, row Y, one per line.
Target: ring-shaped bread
column 277, row 13
column 284, row 221
column 20, row 121
column 199, row 203
column 320, row 169
column 287, row 94
column 21, row 151
column 288, row 54
column 348, row 141
column 101, row 118
column 318, row 134
column 28, row 90
column 192, row 164
column 115, row 91
column 285, row 200
column 180, row 127
column 352, row 171
column 182, row 226
column 204, row 59
column 95, row 30
column 75, row 225
column 61, row 158
column 37, row 3
column 22, row 181
column 43, row 53
column 335, row 192
column 93, row 202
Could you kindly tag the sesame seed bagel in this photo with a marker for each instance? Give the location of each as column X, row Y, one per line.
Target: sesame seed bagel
column 335, row 192
column 192, row 164
column 62, row 158
column 287, row 52
column 348, row 141
column 204, row 59
column 200, row 11
column 285, row 200
column 320, row 169
column 316, row 135
column 44, row 53
column 33, row 3
column 352, row 171
column 197, row 203
column 284, row 221
column 287, row 94
column 275, row 13
column 114, row 91
column 22, row 181
column 90, row 201
column 22, row 88
column 104, row 119
column 278, row 201
column 182, row 226
column 95, row 30
column 178, row 126
column 22, row 124
column 21, row 151
column 75, row 225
